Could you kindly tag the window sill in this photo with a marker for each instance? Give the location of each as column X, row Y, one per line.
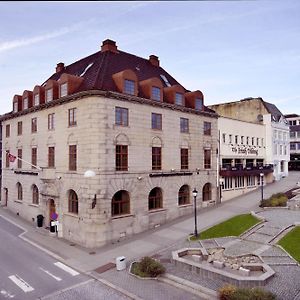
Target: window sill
column 71, row 215
column 122, row 216
column 120, row 125
column 157, row 129
column 157, row 210
column 33, row 205
column 185, row 205
column 72, row 125
column 18, row 201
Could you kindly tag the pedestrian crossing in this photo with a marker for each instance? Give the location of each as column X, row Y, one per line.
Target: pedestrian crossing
column 25, row 285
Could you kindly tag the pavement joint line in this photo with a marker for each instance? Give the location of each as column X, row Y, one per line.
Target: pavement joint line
column 117, row 288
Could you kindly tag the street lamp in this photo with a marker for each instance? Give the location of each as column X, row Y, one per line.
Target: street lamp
column 195, row 193
column 262, row 186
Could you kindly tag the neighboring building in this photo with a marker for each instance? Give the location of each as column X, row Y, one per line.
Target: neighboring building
column 276, row 141
column 242, row 157
column 294, row 123
column 149, row 141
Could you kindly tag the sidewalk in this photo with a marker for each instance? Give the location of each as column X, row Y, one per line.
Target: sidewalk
column 146, row 243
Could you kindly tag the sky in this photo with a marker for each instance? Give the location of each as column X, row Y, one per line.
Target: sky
column 229, row 50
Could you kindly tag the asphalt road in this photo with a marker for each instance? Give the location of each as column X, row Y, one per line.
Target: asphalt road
column 27, row 272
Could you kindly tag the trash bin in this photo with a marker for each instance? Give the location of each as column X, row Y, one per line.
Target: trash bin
column 39, row 220
column 52, row 228
column 121, row 263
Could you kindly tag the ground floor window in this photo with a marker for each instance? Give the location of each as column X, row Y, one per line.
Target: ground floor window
column 206, row 192
column 155, row 200
column 239, row 181
column 227, row 183
column 184, row 195
column 250, row 180
column 120, row 203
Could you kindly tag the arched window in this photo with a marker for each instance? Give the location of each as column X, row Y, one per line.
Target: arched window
column 155, row 200
column 184, row 195
column 35, row 194
column 206, row 192
column 73, row 202
column 120, row 204
column 20, row 191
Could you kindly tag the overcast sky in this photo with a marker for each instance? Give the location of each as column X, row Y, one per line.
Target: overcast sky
column 229, row 50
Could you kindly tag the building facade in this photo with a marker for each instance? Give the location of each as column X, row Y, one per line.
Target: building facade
column 146, row 140
column 276, row 141
column 294, row 123
column 242, row 157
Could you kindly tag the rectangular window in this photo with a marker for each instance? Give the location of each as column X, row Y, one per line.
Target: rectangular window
column 252, row 142
column 156, row 121
column 184, row 158
column 7, row 159
column 227, row 183
column 184, row 125
column 156, row 158
column 129, row 87
column 51, row 121
column 292, row 146
column 72, row 117
column 155, row 93
column 250, row 180
column 262, row 142
column 25, row 103
column 242, row 140
column 236, row 139
column 198, row 104
column 20, row 128
column 207, row 158
column 49, row 95
column 20, row 158
column 178, row 99
column 257, row 141
column 36, row 99
column 63, row 89
column 33, row 157
column 34, row 125
column 7, row 131
column 15, row 106
column 285, row 150
column 121, row 116
column 230, row 138
column 207, row 128
column 51, row 157
column 292, row 134
column 224, row 138
column 239, row 181
column 72, row 158
column 247, row 140
column 121, row 157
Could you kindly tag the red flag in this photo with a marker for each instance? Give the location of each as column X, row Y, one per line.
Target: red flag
column 11, row 157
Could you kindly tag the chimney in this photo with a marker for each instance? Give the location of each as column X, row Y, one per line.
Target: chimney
column 59, row 67
column 109, row 45
column 154, row 60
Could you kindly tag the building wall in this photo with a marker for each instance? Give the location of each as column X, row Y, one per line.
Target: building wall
column 96, row 136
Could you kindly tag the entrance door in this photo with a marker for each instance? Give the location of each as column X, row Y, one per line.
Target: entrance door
column 52, row 208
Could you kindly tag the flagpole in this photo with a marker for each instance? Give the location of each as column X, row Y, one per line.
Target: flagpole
column 25, row 161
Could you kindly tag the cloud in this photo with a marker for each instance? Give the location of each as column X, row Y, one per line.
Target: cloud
column 18, row 43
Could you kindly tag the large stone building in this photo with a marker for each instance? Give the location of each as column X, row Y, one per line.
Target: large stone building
column 294, row 123
column 146, row 139
column 276, row 140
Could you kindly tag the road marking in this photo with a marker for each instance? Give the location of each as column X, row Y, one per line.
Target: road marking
column 6, row 294
column 22, row 284
column 66, row 268
column 53, row 276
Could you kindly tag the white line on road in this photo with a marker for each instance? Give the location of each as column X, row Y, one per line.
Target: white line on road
column 53, row 276
column 66, row 268
column 6, row 294
column 21, row 283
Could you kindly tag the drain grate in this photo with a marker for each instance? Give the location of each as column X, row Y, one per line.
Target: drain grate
column 105, row 268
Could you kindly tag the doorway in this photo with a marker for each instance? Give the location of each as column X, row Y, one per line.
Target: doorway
column 52, row 209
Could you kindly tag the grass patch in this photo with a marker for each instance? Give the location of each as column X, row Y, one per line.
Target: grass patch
column 232, row 227
column 291, row 243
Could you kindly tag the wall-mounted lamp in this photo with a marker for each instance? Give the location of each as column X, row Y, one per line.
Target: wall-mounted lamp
column 172, row 170
column 139, row 178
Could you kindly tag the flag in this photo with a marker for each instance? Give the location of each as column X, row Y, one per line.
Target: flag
column 11, row 157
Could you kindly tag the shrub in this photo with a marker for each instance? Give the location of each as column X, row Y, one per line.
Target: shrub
column 230, row 292
column 275, row 200
column 260, row 294
column 226, row 292
column 151, row 267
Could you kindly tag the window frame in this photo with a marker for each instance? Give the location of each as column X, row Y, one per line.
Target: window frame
column 35, row 195
column 156, row 158
column 7, row 130
column 184, row 125
column 120, row 205
column 207, row 160
column 184, row 158
column 51, row 121
column 184, row 195
column 33, row 125
column 49, row 92
column 73, row 203
column 155, row 201
column 19, row 191
column 72, row 112
column 121, row 158
column 72, row 157
column 121, row 116
column 51, row 157
column 63, row 88
column 207, row 128
column 20, row 128
column 19, row 163
column 129, row 87
column 156, row 93
column 156, row 121
column 33, row 157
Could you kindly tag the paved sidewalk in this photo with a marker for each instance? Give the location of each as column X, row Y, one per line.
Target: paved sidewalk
column 150, row 242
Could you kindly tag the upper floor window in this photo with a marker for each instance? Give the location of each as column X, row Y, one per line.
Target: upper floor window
column 178, row 99
column 63, row 89
column 156, row 158
column 15, row 106
column 25, row 103
column 129, row 87
column 156, row 121
column 247, row 140
column 20, row 191
column 262, row 142
column 292, row 146
column 292, row 134
column 34, row 125
column 257, row 141
column 242, row 139
column 121, row 157
column 51, row 157
column 155, row 92
column 230, row 138
column 35, row 195
column 73, row 202
column 121, row 116
column 72, row 117
column 198, row 104
column 236, row 139
column 51, row 123
column 7, row 130
column 72, row 158
column 252, row 141
column 184, row 158
column 33, row 158
column 49, row 95
column 207, row 128
column 184, row 125
column 19, row 158
column 36, row 99
column 224, row 137
column 20, row 128
column 207, row 158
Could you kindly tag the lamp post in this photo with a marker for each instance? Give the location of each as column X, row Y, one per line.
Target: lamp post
column 221, row 184
column 195, row 193
column 262, row 186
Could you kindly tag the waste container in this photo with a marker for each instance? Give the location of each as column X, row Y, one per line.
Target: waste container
column 39, row 220
column 121, row 263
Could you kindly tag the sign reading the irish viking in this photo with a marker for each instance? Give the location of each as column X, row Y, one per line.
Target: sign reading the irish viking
column 244, row 150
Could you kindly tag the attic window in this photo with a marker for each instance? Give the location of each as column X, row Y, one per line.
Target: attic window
column 63, row 89
column 25, row 103
column 129, row 87
column 86, row 69
column 49, row 95
column 15, row 106
column 178, row 99
column 36, row 99
column 155, row 93
column 164, row 78
column 198, row 104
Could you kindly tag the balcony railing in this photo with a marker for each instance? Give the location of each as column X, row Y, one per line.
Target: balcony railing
column 245, row 171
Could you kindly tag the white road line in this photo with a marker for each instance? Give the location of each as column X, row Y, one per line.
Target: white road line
column 66, row 268
column 53, row 276
column 22, row 284
column 6, row 294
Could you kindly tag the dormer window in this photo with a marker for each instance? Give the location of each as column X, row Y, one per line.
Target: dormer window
column 15, row 106
column 155, row 93
column 25, row 103
column 198, row 104
column 129, row 87
column 36, row 99
column 178, row 99
column 49, row 95
column 63, row 89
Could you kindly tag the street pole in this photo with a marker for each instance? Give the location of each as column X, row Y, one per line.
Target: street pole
column 262, row 187
column 195, row 192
